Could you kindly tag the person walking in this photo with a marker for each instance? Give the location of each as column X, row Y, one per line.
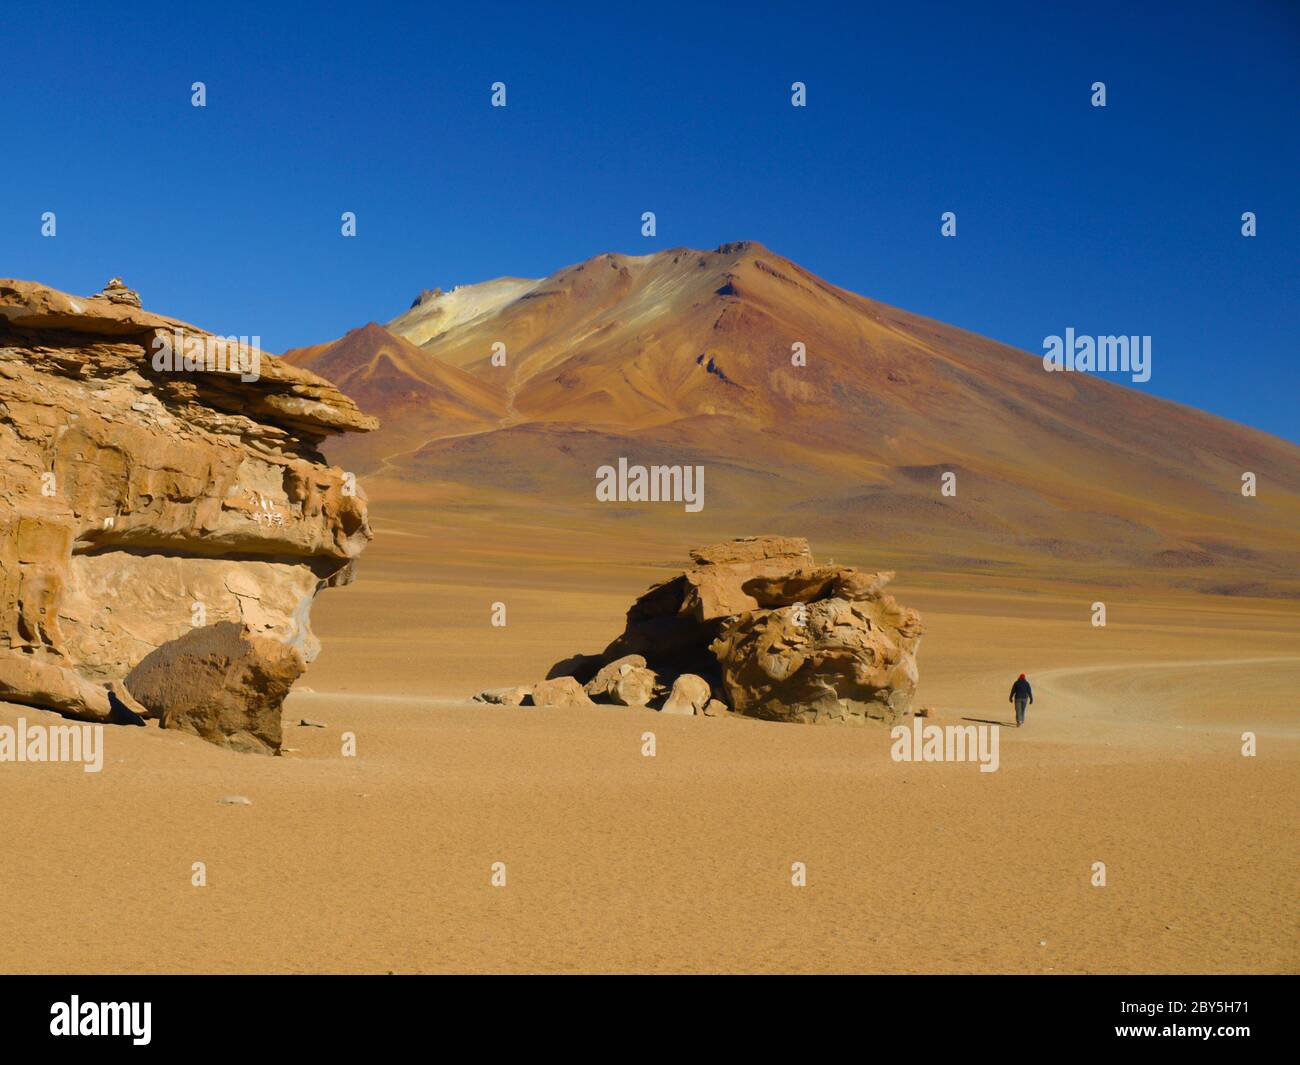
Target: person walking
column 1022, row 695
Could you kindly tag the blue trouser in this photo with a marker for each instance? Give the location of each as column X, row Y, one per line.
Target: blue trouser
column 1020, row 710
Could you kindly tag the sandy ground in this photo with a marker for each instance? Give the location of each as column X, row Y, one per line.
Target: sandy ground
column 682, row 862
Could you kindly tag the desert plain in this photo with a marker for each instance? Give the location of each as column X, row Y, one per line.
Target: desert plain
column 682, row 862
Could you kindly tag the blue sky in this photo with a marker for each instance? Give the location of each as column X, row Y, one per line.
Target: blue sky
column 1115, row 220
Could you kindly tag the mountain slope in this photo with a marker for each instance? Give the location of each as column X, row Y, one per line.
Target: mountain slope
column 688, row 357
column 391, row 377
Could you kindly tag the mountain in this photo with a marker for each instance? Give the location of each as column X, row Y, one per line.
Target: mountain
column 690, row 357
column 417, row 396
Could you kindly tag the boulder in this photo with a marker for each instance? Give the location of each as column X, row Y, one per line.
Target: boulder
column 635, row 686
column 625, row 681
column 690, row 695
column 140, row 496
column 221, row 682
column 562, row 691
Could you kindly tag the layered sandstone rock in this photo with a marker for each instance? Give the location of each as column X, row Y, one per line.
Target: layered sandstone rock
column 758, row 621
column 139, row 500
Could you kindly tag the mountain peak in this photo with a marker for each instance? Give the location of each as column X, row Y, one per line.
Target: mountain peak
column 817, row 400
column 425, row 296
column 740, row 247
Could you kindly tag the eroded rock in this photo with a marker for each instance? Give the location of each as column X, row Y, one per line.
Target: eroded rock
column 779, row 637
column 137, row 499
column 831, row 660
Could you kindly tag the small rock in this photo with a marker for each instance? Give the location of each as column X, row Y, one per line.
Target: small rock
column 514, row 696
column 234, row 800
column 561, row 691
column 690, row 695
column 307, row 722
column 625, row 681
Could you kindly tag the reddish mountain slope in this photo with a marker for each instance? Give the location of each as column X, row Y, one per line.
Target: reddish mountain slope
column 416, row 397
column 686, row 357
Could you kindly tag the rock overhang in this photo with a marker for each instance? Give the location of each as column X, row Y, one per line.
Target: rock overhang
column 136, row 501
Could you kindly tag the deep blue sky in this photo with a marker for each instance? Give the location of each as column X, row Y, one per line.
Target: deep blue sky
column 1117, row 220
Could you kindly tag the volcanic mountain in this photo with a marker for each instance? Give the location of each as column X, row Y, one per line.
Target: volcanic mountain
column 815, row 411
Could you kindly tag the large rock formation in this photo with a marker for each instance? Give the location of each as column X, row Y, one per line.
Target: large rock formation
column 143, row 495
column 779, row 636
column 828, row 660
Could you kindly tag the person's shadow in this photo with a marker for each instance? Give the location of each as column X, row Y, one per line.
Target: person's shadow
column 985, row 721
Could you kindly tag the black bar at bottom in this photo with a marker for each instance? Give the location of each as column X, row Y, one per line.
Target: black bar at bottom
column 1223, row 1014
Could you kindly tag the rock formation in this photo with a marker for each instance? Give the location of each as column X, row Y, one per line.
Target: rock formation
column 755, row 626
column 143, row 496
